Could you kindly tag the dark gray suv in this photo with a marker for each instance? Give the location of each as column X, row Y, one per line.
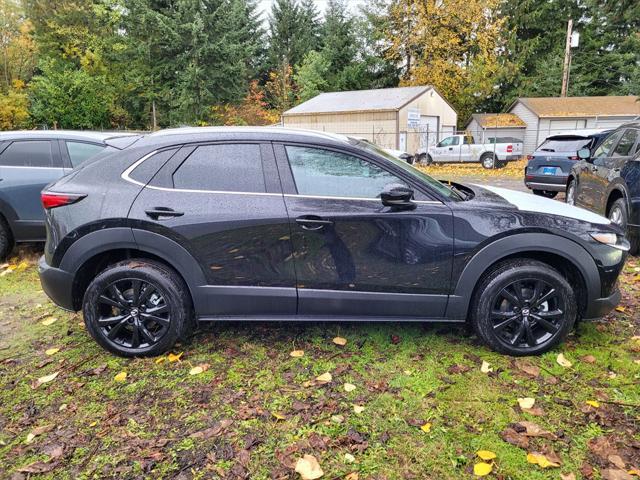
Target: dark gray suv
column 29, row 160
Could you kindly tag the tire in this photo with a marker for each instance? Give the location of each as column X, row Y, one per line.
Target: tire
column 488, row 161
column 500, row 319
column 570, row 195
column 619, row 214
column 6, row 239
column 428, row 160
column 545, row 193
column 420, row 158
column 501, row 163
column 112, row 314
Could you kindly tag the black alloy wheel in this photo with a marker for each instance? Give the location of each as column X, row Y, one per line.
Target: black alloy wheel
column 133, row 313
column 523, row 307
column 138, row 307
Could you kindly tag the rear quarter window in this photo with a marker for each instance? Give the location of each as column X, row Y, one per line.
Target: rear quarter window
column 28, row 153
column 144, row 172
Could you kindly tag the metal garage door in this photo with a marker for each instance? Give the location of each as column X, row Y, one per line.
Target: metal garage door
column 428, row 131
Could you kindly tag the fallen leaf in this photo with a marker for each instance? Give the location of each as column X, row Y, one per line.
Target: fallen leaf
column 37, row 467
column 486, row 367
column 349, row 387
column 620, row 309
column 614, row 474
column 593, row 403
column 324, row 378
column 352, row 476
column 212, row 431
column 309, row 468
column 426, row 428
column 509, row 435
column 172, row 357
column 54, row 451
column 49, row 321
column 279, row 416
column 297, row 353
column 541, row 460
column 568, row 476
column 52, row 351
column 337, row 418
column 486, row 455
column 196, row 370
column 527, row 368
column 349, row 458
column 358, row 408
column 29, row 438
column 340, row 341
column 617, row 461
column 395, row 339
column 160, row 360
column 562, row 361
column 482, row 469
column 526, row 403
column 46, row 379
column 588, row 359
column 120, row 377
column 533, row 430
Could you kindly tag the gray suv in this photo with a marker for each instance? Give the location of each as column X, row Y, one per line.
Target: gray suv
column 29, row 160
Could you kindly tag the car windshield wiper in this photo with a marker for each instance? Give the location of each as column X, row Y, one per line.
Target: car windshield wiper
column 547, row 149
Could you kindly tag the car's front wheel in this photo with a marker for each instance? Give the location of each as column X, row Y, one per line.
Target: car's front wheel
column 137, row 308
column 523, row 307
column 545, row 193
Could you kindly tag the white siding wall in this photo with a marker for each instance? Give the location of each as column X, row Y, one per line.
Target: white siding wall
column 610, row 122
column 531, row 140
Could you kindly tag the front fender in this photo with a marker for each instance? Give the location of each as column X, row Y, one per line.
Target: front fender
column 528, row 243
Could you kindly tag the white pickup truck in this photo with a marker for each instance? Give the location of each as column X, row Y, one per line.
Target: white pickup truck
column 462, row 148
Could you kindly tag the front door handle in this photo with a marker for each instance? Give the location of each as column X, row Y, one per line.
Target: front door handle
column 312, row 222
column 158, row 212
column 450, row 148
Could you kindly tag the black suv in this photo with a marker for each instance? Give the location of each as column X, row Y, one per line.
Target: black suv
column 549, row 166
column 608, row 181
column 215, row 224
column 29, row 160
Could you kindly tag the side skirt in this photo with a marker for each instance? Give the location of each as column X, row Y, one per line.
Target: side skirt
column 320, row 318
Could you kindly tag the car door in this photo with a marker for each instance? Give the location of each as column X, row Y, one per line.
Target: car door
column 610, row 175
column 444, row 149
column 223, row 203
column 466, row 154
column 354, row 256
column 591, row 174
column 26, row 167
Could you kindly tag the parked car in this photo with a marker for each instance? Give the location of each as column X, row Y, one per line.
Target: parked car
column 400, row 154
column 29, row 160
column 462, row 148
column 208, row 224
column 607, row 181
column 547, row 171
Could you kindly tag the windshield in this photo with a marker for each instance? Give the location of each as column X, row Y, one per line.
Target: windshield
column 564, row 144
column 421, row 176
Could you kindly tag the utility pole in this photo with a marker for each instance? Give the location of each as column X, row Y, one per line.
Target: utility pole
column 567, row 60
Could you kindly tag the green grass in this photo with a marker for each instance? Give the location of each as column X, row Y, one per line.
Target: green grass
column 143, row 427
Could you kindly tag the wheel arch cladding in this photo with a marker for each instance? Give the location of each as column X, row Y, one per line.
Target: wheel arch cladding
column 99, row 244
column 524, row 244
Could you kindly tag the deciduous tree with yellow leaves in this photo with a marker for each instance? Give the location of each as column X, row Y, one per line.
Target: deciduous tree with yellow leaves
column 455, row 45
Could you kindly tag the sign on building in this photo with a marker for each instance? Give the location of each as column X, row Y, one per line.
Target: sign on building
column 413, row 118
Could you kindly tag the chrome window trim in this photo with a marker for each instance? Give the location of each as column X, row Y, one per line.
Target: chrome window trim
column 126, row 176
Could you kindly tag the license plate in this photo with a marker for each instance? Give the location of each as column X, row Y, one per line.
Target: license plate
column 549, row 170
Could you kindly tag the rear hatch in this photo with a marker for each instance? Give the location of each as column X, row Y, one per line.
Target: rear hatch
column 556, row 155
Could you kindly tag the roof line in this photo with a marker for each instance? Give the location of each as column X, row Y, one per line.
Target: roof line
column 286, row 114
column 426, row 89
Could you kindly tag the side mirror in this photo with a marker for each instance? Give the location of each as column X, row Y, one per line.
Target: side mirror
column 584, row 154
column 398, row 196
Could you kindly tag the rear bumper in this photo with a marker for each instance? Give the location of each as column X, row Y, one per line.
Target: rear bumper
column 57, row 284
column 554, row 183
column 599, row 307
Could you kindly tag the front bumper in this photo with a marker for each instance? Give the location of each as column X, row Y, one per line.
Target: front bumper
column 599, row 307
column 57, row 284
column 553, row 183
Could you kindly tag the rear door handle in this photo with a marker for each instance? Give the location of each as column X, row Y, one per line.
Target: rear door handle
column 158, row 212
column 312, row 222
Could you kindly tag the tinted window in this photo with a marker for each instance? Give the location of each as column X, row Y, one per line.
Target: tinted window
column 144, row 172
column 36, row 153
column 568, row 145
column 626, row 143
column 332, row 174
column 604, row 149
column 80, row 151
column 229, row 168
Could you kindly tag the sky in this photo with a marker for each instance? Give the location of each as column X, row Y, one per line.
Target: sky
column 264, row 6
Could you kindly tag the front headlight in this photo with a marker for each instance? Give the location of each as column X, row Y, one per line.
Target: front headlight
column 612, row 240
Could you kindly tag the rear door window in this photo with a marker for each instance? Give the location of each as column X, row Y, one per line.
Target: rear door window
column 81, row 151
column 222, row 167
column 624, row 148
column 28, row 153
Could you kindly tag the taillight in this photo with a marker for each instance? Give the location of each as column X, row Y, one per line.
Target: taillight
column 530, row 157
column 509, row 148
column 575, row 157
column 53, row 200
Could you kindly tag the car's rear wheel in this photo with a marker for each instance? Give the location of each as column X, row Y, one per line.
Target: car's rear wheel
column 545, row 193
column 570, row 196
column 137, row 308
column 523, row 307
column 6, row 239
column 488, row 160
